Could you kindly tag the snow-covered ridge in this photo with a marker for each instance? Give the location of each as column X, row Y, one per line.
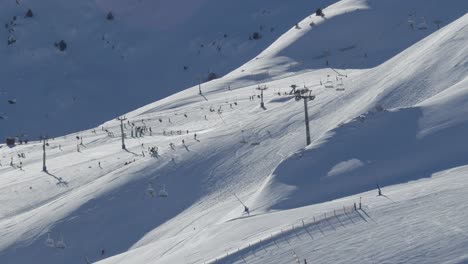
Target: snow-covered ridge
column 392, row 125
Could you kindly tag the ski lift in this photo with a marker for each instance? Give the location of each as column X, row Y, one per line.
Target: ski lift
column 411, row 21
column 423, row 24
column 329, row 83
column 162, row 192
column 340, row 85
column 60, row 244
column 150, row 190
column 243, row 141
column 49, row 241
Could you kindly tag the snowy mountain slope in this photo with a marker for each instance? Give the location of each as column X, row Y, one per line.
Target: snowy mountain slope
column 421, row 221
column 370, row 151
column 400, row 150
column 109, row 209
column 394, row 146
column 354, row 34
column 112, row 67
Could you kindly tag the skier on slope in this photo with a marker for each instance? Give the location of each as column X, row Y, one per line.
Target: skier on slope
column 246, row 210
column 380, row 191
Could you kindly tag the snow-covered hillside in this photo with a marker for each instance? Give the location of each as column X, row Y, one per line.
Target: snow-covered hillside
column 389, row 110
column 150, row 49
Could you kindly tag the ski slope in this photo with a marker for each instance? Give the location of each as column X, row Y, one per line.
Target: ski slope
column 399, row 123
column 113, row 67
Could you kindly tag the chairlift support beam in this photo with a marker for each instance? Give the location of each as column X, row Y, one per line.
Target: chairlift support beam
column 44, row 166
column 122, row 119
column 261, row 89
column 306, row 95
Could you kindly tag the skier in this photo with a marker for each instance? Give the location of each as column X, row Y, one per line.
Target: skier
column 380, row 191
column 246, row 210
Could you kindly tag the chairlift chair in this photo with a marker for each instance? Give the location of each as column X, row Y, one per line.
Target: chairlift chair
column 329, row 83
column 340, row 85
column 243, row 141
column 423, row 24
column 162, row 192
column 150, row 190
column 49, row 241
column 60, row 244
column 410, row 20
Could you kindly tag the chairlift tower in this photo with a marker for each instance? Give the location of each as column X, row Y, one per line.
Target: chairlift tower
column 261, row 89
column 199, row 86
column 306, row 95
column 44, row 167
column 122, row 119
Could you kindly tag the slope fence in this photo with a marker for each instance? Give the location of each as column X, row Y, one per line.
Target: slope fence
column 313, row 228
